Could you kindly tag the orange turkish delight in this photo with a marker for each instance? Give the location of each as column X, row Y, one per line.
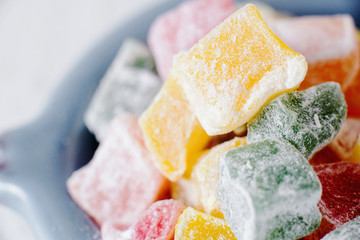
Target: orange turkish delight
column 328, row 43
column 345, row 144
column 352, row 93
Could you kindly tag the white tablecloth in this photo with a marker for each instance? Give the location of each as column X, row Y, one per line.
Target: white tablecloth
column 40, row 41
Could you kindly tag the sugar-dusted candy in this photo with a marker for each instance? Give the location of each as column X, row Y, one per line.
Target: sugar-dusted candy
column 267, row 12
column 355, row 153
column 218, row 139
column 268, row 190
column 230, row 73
column 128, row 86
column 340, row 201
column 348, row 231
column 111, row 231
column 344, row 147
column 345, row 143
column 352, row 92
column 206, row 175
column 180, row 28
column 308, row 119
column 171, row 130
column 329, row 44
column 325, row 155
column 157, row 223
column 187, row 191
column 120, row 182
column 194, row 225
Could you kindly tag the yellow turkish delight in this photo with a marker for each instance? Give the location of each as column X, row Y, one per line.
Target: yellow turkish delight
column 235, row 69
column 171, row 130
column 206, row 174
column 196, row 225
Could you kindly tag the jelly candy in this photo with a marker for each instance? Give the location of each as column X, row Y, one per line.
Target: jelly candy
column 325, row 155
column 187, row 191
column 171, row 131
column 194, row 225
column 352, row 92
column 206, row 175
column 348, row 231
column 180, row 28
column 308, row 119
column 128, row 86
column 267, row 12
column 198, row 187
column 340, row 200
column 218, row 139
column 346, row 140
column 328, row 43
column 355, row 153
column 344, row 147
column 268, row 190
column 120, row 182
column 157, row 223
column 230, row 73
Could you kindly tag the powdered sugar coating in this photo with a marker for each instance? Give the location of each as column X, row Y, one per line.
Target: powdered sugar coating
column 329, row 44
column 340, row 200
column 352, row 93
column 187, row 191
column 172, row 132
column 128, row 86
column 348, row 231
column 230, row 73
column 194, row 225
column 121, row 181
column 157, row 223
column 347, row 138
column 308, row 119
column 110, row 231
column 267, row 190
column 206, row 175
column 180, row 28
column 318, row 38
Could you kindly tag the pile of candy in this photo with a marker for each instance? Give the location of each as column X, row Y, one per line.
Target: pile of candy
column 220, row 145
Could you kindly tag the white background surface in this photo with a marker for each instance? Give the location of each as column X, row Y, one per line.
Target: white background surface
column 40, row 40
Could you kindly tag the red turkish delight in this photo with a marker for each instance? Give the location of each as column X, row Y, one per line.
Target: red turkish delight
column 340, row 200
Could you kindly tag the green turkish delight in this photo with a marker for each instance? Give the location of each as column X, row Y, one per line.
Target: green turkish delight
column 268, row 190
column 348, row 231
column 307, row 119
column 128, row 87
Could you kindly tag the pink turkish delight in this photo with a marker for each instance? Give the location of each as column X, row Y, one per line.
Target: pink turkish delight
column 120, row 182
column 157, row 223
column 180, row 28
